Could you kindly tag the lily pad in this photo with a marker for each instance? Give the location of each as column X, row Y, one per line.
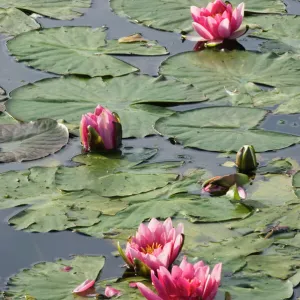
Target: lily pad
column 296, row 183
column 29, row 141
column 53, row 210
column 79, row 50
column 73, row 96
column 237, row 77
column 272, row 190
column 281, row 31
column 223, row 129
column 258, row 287
column 277, row 166
column 14, row 22
column 232, row 253
column 287, row 215
column 47, row 281
column 57, row 9
column 174, row 200
column 176, row 13
column 278, row 266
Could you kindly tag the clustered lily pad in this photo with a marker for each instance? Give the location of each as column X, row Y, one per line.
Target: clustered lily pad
column 129, row 96
column 90, row 54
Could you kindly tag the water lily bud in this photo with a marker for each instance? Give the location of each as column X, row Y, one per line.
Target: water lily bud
column 101, row 130
column 246, row 159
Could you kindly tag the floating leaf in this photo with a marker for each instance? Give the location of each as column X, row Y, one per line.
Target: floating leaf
column 231, row 253
column 278, row 266
column 215, row 73
column 272, row 190
column 276, row 166
column 46, row 281
column 14, row 22
column 29, row 141
column 268, row 216
column 178, row 17
column 170, row 201
column 223, row 129
column 57, row 9
column 72, row 96
column 79, row 50
column 281, row 31
column 258, row 287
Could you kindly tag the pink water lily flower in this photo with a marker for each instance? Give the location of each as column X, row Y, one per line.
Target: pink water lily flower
column 217, row 22
column 100, row 130
column 154, row 245
column 184, row 282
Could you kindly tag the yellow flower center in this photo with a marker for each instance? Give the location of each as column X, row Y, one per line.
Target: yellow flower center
column 150, row 248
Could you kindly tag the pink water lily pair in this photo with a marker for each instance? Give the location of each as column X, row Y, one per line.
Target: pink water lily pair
column 154, row 249
column 217, row 22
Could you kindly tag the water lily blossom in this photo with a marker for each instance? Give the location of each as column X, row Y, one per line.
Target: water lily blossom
column 220, row 185
column 154, row 245
column 186, row 281
column 217, row 22
column 112, row 292
column 84, row 287
column 100, row 130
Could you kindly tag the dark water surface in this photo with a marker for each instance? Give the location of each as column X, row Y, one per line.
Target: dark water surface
column 20, row 249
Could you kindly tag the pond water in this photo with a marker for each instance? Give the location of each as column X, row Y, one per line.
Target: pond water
column 21, row 249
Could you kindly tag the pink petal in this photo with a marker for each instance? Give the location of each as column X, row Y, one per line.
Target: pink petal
column 218, row 7
column 237, row 17
column 194, row 38
column 111, row 292
column 84, row 133
column 196, row 13
column 165, row 256
column 66, row 269
column 241, row 31
column 133, row 285
column 176, row 248
column 87, row 284
column 242, row 192
column 98, row 110
column 203, row 32
column 159, row 286
column 216, row 273
column 212, row 26
column 224, row 28
column 147, row 293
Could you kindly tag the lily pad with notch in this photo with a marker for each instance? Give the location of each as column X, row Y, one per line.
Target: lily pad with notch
column 33, row 140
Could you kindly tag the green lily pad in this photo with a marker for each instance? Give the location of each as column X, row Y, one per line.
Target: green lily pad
column 223, row 129
column 176, row 13
column 281, row 31
column 296, row 183
column 258, row 287
column 79, row 50
column 272, row 190
column 232, row 253
column 73, row 96
column 262, row 218
column 57, row 9
column 233, row 77
column 53, row 210
column 278, row 266
column 14, row 22
column 276, row 166
column 47, row 281
column 29, row 141
column 174, row 200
